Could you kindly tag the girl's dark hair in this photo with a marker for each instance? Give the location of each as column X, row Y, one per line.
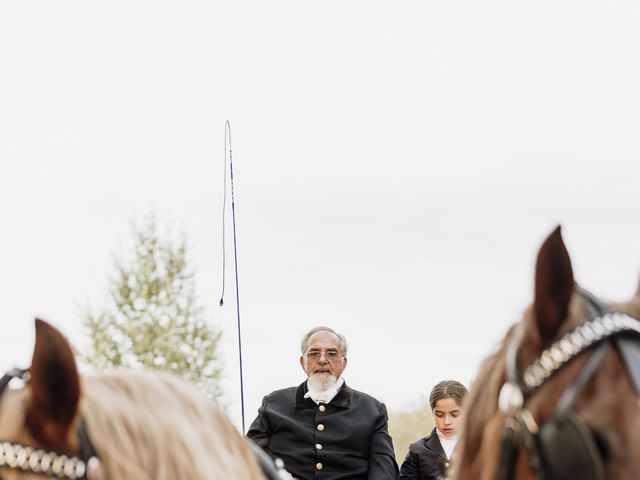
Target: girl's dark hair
column 447, row 389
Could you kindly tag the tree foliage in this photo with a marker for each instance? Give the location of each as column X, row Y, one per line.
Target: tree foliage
column 407, row 426
column 152, row 319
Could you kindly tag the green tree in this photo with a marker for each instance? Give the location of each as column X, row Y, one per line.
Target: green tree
column 152, row 319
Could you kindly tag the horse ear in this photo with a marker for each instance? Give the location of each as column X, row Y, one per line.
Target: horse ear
column 554, row 285
column 55, row 389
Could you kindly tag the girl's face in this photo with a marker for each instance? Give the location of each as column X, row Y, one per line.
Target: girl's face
column 448, row 416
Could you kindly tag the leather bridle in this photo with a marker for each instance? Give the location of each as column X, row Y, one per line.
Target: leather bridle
column 563, row 446
column 30, row 459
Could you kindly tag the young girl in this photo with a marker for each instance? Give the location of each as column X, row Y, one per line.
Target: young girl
column 428, row 458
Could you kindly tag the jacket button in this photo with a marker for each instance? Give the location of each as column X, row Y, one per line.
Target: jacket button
column 322, row 408
column 320, row 427
column 319, row 466
column 318, row 446
column 446, row 464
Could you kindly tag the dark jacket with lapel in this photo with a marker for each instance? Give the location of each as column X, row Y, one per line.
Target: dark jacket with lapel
column 346, row 439
column 426, row 460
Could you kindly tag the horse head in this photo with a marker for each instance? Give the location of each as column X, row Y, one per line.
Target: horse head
column 130, row 425
column 559, row 398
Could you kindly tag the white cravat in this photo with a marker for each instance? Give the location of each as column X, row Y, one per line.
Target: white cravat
column 448, row 444
column 327, row 395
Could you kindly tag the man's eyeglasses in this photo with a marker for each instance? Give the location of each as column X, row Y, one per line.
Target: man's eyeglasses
column 330, row 355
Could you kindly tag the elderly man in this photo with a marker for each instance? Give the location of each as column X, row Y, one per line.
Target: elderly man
column 323, row 429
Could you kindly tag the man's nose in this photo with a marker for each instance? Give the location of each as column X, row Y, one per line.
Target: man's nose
column 323, row 357
column 447, row 419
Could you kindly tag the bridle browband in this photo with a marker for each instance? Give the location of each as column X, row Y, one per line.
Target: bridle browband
column 48, row 463
column 564, row 443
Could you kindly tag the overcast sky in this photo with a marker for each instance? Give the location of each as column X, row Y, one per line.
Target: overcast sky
column 397, row 166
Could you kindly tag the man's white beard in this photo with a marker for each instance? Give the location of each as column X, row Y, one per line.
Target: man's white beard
column 319, row 382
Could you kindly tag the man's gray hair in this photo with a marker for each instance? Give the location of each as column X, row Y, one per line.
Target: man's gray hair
column 305, row 340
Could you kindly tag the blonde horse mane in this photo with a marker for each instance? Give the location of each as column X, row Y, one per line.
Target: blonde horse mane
column 139, row 420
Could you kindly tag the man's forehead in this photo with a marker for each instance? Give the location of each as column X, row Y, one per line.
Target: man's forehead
column 324, row 339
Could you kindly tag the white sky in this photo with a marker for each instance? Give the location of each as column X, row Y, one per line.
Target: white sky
column 397, row 166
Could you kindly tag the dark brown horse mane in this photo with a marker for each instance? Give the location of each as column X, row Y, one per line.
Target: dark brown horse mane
column 478, row 434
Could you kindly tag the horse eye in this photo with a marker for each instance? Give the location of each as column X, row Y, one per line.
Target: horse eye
column 602, row 444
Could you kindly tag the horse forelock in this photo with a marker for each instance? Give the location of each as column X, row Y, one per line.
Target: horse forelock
column 13, row 407
column 12, row 411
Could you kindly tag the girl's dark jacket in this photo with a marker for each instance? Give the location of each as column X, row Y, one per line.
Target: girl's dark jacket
column 426, row 460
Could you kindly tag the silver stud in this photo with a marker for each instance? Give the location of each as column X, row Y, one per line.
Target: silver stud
column 56, row 466
column 588, row 332
column 556, row 353
column 538, row 372
column 69, row 468
column 577, row 341
column 598, row 329
column 12, row 457
column 547, row 360
column 565, row 347
column 94, row 469
column 510, row 397
column 608, row 324
column 34, row 460
column 22, row 456
column 528, row 380
column 80, row 469
column 45, row 462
